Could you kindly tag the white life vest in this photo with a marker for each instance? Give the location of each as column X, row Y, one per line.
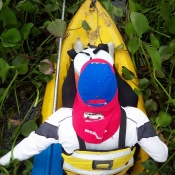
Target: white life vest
column 91, row 162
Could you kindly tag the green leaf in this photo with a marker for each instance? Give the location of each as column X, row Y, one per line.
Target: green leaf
column 146, row 10
column 18, row 60
column 165, row 11
column 22, row 69
column 171, row 25
column 154, row 41
column 45, row 24
column 52, row 7
column 140, row 23
column 28, row 127
column 163, row 52
column 11, row 36
column 25, row 5
column 147, row 93
column 6, row 45
column 45, row 78
column 150, row 165
column 117, row 11
column 4, row 68
column 127, row 74
column 37, row 83
column 57, row 28
column 72, row 9
column 4, row 170
column 129, row 29
column 138, row 92
column 163, row 119
column 143, row 83
column 28, row 165
column 1, row 4
column 120, row 47
column 159, row 73
column 25, row 172
column 35, row 31
column 9, row 124
column 8, row 17
column 46, row 67
column 108, row 6
column 85, row 25
column 25, row 30
column 133, row 7
column 133, row 45
column 151, row 105
column 14, row 162
column 155, row 57
column 170, row 50
column 53, row 58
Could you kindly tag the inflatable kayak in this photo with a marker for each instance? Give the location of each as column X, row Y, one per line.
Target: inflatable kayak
column 103, row 30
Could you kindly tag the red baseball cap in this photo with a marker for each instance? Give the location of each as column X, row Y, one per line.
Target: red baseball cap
column 96, row 110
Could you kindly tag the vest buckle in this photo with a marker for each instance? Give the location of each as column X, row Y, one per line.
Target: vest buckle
column 102, row 164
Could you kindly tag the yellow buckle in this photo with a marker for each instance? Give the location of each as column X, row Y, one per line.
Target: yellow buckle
column 102, row 164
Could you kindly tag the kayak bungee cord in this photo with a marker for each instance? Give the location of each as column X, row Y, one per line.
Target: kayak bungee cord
column 58, row 64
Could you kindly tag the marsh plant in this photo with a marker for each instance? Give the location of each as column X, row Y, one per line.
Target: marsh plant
column 29, row 35
column 149, row 35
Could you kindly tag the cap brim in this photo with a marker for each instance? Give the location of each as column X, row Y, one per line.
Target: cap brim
column 110, row 122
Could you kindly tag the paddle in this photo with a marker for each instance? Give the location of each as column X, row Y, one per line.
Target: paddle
column 49, row 161
column 58, row 64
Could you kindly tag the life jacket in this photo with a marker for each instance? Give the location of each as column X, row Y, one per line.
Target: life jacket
column 108, row 162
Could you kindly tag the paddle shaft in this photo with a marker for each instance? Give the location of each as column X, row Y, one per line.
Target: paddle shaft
column 58, row 64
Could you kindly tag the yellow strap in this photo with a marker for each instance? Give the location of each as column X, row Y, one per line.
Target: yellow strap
column 87, row 164
column 121, row 173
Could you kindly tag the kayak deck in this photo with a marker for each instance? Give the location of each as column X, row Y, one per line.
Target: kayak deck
column 103, row 30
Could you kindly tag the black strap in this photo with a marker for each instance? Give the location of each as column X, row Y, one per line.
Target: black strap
column 97, row 50
column 122, row 131
column 104, row 47
column 91, row 46
column 85, row 53
column 81, row 144
column 101, row 47
column 72, row 54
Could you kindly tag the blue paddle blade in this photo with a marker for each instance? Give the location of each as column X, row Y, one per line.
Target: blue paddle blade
column 49, row 161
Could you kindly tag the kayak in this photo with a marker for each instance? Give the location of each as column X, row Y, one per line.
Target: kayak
column 103, row 30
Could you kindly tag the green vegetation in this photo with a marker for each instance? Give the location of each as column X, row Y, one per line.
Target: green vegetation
column 29, row 35
column 149, row 30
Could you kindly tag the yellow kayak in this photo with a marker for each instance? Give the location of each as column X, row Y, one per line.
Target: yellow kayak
column 104, row 30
